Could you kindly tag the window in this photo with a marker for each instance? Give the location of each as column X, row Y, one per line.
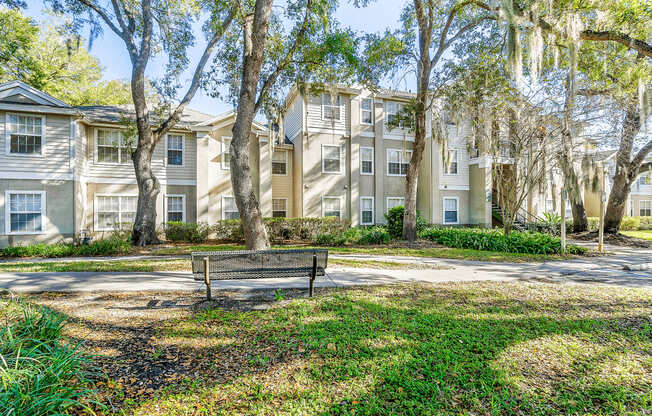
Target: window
column 25, row 212
column 175, row 150
column 392, row 109
column 331, row 159
column 176, row 208
column 279, row 163
column 645, row 208
column 25, row 135
column 279, row 207
column 226, row 153
column 366, row 160
column 550, row 206
column 330, row 207
column 397, row 162
column 394, row 201
column 451, row 164
column 450, row 211
column 114, row 212
column 367, row 210
column 645, row 179
column 367, row 111
column 112, row 147
column 229, row 208
column 330, row 107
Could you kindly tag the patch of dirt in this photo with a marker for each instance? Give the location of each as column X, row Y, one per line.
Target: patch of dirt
column 127, row 334
column 614, row 239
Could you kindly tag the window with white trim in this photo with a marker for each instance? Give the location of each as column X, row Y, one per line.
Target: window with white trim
column 25, row 134
column 176, row 208
column 367, row 160
column 395, row 201
column 392, row 109
column 451, row 211
column 279, row 163
column 367, row 111
column 397, row 162
column 331, row 158
column 331, row 207
column 366, row 210
column 175, row 149
column 226, row 153
column 229, row 208
column 279, row 207
column 330, row 106
column 645, row 179
column 112, row 147
column 550, row 205
column 25, row 212
column 451, row 166
column 114, row 212
column 645, row 208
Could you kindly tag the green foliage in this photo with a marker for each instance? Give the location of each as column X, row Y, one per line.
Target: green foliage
column 106, row 247
column 40, row 374
column 376, row 235
column 395, row 222
column 187, row 232
column 496, row 240
column 54, row 62
column 283, row 229
column 627, row 224
column 373, row 236
column 630, row 224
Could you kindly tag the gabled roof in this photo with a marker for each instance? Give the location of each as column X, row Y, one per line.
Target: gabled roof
column 116, row 113
column 18, row 92
column 227, row 118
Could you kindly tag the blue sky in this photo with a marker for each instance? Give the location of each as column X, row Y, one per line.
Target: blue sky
column 113, row 57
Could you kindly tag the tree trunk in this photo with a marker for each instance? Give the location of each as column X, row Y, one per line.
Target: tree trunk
column 423, row 82
column 572, row 186
column 626, row 169
column 144, row 231
column 255, row 35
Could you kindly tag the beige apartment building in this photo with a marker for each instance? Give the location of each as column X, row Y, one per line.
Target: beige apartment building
column 66, row 171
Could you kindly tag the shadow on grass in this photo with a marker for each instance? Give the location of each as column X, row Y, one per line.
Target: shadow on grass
column 457, row 349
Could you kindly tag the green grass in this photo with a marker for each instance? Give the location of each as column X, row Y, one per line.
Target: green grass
column 644, row 234
column 100, row 266
column 435, row 252
column 460, row 349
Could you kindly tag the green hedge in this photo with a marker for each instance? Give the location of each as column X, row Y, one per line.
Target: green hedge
column 628, row 223
column 106, row 247
column 496, row 240
column 40, row 374
column 187, row 232
column 360, row 235
column 395, row 222
column 283, row 229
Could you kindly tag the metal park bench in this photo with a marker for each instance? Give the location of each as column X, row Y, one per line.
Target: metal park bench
column 261, row 264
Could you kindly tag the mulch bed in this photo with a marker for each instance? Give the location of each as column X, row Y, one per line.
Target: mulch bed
column 614, row 239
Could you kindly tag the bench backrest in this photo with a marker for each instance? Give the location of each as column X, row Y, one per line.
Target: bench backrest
column 252, row 264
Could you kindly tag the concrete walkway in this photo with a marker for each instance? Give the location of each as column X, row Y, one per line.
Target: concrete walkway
column 589, row 270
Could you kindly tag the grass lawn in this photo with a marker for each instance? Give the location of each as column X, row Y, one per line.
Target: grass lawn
column 454, row 349
column 644, row 234
column 435, row 252
column 170, row 265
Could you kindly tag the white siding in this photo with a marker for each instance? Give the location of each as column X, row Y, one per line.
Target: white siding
column 457, row 140
column 56, row 155
column 293, row 120
column 316, row 122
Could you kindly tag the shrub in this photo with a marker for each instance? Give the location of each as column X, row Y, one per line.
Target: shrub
column 395, row 222
column 106, row 247
column 187, row 232
column 630, row 224
column 373, row 236
column 284, row 229
column 495, row 240
column 41, row 375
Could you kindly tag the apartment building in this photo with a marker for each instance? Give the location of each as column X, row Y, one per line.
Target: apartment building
column 66, row 170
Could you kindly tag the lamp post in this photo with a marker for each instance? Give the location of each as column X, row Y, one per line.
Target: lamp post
column 563, row 221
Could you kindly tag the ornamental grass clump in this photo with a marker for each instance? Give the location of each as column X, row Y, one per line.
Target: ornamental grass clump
column 495, row 240
column 39, row 373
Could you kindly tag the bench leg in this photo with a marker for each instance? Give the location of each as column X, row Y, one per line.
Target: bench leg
column 313, row 274
column 207, row 279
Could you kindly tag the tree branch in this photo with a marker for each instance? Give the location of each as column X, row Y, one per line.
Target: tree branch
column 196, row 78
column 100, row 11
column 286, row 60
